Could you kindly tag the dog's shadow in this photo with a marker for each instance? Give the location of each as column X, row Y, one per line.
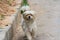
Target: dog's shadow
column 23, row 38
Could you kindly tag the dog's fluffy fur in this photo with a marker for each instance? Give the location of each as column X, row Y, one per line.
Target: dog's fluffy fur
column 25, row 8
column 29, row 24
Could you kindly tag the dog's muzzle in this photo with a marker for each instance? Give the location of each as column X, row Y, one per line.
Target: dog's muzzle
column 29, row 17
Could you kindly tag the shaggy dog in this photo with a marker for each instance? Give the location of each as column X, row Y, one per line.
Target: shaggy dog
column 29, row 24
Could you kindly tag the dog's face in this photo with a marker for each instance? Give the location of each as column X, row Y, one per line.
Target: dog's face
column 29, row 15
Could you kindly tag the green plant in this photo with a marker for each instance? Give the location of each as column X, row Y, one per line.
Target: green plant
column 1, row 17
column 24, row 3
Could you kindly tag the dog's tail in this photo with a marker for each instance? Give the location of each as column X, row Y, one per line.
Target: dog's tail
column 24, row 6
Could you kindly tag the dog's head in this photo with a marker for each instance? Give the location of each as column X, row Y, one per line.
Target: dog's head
column 29, row 15
column 24, row 8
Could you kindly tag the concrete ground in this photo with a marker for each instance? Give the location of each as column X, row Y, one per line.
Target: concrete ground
column 47, row 18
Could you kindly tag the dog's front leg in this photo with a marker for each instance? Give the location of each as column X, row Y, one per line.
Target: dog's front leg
column 28, row 35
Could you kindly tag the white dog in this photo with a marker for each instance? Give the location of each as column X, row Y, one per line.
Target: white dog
column 29, row 24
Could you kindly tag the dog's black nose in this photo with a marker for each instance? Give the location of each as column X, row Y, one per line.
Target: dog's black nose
column 29, row 17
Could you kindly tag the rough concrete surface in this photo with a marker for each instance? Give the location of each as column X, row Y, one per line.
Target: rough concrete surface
column 48, row 18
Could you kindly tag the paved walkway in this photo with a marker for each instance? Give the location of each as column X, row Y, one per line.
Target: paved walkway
column 48, row 18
